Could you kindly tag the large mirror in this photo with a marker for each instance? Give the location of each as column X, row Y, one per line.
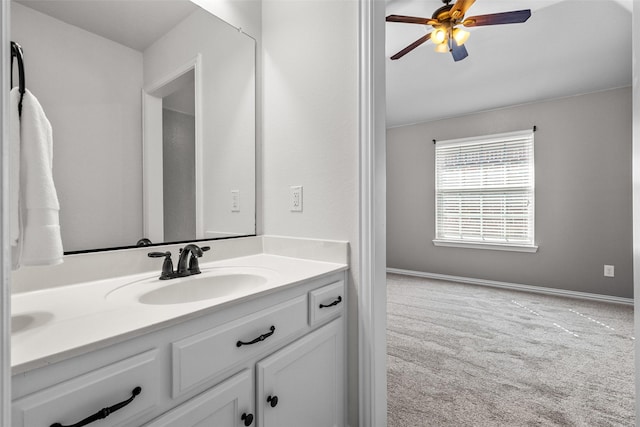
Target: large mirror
column 152, row 105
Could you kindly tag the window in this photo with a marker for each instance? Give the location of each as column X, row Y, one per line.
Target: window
column 485, row 192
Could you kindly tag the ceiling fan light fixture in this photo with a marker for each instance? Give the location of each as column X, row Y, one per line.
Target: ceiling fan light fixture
column 439, row 36
column 442, row 48
column 445, row 35
column 461, row 36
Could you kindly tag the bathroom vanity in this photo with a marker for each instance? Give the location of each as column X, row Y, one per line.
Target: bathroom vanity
column 172, row 353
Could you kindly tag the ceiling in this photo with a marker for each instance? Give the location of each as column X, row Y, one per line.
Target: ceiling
column 567, row 47
column 118, row 20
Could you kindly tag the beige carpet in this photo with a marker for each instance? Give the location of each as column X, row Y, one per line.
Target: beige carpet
column 464, row 355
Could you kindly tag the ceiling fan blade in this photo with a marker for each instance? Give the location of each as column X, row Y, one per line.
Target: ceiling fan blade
column 412, row 46
column 411, row 20
column 460, row 8
column 458, row 52
column 515, row 17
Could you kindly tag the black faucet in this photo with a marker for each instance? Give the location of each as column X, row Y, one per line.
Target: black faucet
column 187, row 265
column 192, row 267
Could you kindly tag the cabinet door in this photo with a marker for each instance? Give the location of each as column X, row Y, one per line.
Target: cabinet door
column 303, row 384
column 229, row 404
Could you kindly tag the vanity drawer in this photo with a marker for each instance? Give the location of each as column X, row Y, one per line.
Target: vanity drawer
column 199, row 358
column 326, row 303
column 76, row 399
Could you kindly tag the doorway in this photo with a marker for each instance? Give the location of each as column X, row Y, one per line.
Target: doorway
column 172, row 143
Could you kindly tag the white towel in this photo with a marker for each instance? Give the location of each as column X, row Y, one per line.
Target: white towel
column 14, row 167
column 39, row 242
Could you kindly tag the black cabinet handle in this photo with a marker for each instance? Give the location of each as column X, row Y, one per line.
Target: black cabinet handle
column 272, row 400
column 247, row 418
column 336, row 302
column 260, row 338
column 104, row 412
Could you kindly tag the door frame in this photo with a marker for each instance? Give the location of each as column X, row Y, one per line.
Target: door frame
column 152, row 170
column 372, row 373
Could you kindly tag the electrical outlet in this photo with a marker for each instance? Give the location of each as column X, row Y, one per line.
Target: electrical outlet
column 608, row 271
column 235, row 200
column 295, row 203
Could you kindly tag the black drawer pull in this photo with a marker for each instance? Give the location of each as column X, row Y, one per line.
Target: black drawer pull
column 272, row 400
column 247, row 418
column 260, row 338
column 336, row 302
column 104, row 412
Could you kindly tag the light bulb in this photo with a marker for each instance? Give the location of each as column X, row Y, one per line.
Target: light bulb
column 461, row 36
column 442, row 48
column 439, row 36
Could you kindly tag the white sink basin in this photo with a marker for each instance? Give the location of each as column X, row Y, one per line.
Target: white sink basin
column 210, row 284
column 198, row 288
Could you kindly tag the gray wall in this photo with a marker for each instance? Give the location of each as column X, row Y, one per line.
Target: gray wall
column 583, row 195
column 178, row 166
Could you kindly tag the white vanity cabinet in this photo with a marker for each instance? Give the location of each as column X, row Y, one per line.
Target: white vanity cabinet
column 302, row 384
column 215, row 368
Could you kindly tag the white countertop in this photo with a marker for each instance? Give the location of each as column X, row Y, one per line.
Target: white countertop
column 61, row 322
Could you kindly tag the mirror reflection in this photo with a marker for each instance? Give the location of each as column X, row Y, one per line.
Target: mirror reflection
column 178, row 159
column 152, row 105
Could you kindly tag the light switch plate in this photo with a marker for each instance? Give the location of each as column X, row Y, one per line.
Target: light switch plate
column 235, row 200
column 295, row 200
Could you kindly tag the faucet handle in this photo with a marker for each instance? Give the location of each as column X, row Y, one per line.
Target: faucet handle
column 167, row 265
column 194, row 268
column 158, row 254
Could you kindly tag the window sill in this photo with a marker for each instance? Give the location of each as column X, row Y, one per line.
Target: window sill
column 490, row 246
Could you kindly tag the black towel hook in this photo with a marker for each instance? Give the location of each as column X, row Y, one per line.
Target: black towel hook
column 16, row 51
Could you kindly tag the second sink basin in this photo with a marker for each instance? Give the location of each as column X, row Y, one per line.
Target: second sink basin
column 25, row 321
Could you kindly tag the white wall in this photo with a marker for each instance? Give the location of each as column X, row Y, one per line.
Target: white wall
column 310, row 117
column 246, row 15
column 242, row 14
column 228, row 114
column 310, row 131
column 96, row 126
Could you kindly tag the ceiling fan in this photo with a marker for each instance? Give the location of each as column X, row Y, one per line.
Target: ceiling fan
column 446, row 35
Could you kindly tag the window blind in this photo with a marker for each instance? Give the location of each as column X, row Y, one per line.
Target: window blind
column 485, row 189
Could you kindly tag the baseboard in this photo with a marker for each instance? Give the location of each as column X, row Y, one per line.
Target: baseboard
column 515, row 286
